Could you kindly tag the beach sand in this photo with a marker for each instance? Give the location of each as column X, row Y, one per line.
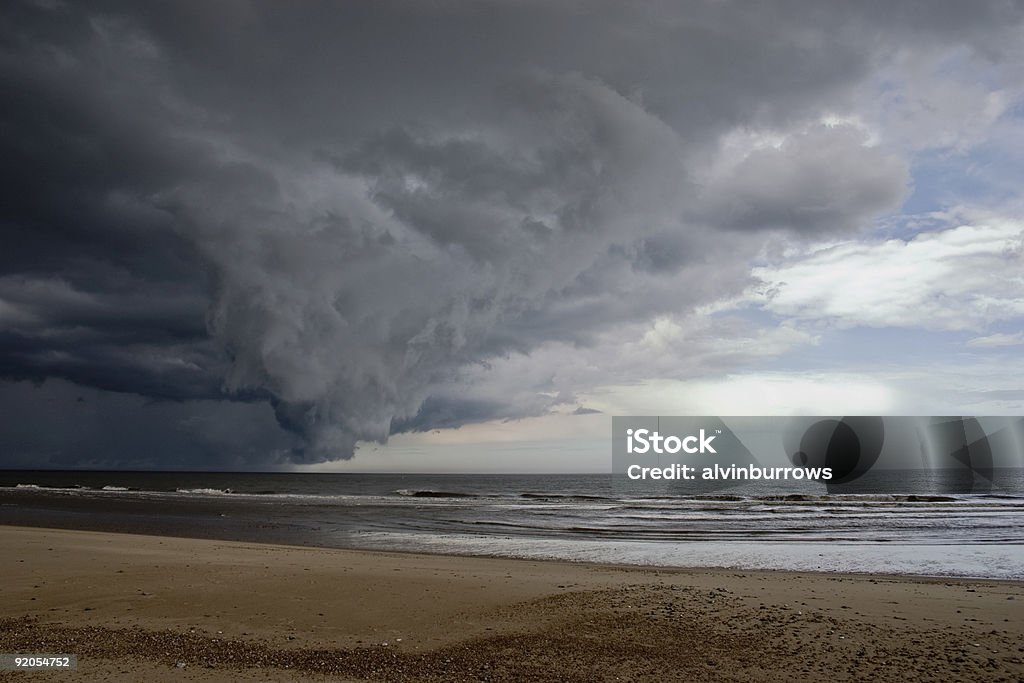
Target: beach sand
column 170, row 609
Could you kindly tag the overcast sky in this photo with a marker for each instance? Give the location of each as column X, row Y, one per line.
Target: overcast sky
column 261, row 235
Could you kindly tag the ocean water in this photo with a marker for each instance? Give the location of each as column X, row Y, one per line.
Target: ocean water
column 915, row 527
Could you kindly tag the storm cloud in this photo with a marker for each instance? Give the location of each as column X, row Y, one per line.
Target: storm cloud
column 326, row 223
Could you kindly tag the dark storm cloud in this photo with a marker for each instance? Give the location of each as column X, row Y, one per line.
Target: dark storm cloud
column 57, row 424
column 337, row 212
column 440, row 413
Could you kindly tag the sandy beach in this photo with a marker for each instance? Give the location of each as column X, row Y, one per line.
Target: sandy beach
column 134, row 607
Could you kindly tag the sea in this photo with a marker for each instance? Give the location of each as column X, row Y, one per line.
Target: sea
column 922, row 530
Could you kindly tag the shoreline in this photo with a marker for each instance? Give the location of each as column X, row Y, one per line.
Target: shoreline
column 273, row 536
column 536, row 560
column 226, row 610
column 573, row 518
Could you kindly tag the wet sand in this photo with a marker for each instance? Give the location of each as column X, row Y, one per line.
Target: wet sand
column 144, row 607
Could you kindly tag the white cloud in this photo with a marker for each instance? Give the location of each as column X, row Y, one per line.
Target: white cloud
column 835, row 393
column 944, row 98
column 998, row 340
column 963, row 278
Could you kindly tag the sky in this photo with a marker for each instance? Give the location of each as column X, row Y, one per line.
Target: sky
column 454, row 236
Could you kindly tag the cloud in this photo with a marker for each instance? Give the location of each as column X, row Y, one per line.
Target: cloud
column 945, row 99
column 756, row 393
column 961, row 278
column 370, row 218
column 824, row 178
column 57, row 424
column 586, row 411
column 557, row 376
column 996, row 341
column 412, row 257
